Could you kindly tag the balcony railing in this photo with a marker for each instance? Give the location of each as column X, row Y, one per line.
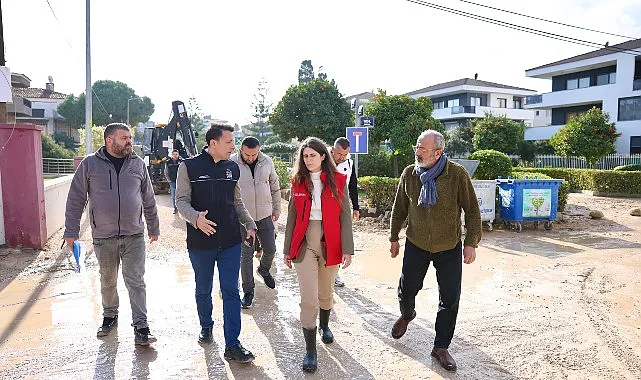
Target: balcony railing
column 636, row 84
column 534, row 99
column 463, row 109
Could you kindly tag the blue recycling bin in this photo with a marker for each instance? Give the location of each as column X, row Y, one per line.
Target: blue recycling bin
column 528, row 200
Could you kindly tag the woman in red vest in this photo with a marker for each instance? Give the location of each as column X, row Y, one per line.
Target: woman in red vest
column 318, row 237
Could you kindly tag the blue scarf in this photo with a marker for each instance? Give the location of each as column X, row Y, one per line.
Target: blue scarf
column 428, row 194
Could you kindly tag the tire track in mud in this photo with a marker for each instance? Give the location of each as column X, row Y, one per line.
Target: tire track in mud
column 603, row 327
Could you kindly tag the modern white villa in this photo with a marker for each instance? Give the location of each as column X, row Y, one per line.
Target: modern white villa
column 608, row 78
column 460, row 101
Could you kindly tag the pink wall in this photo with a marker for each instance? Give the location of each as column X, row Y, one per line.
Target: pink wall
column 22, row 185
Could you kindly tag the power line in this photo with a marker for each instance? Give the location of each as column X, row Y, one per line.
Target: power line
column 550, row 21
column 58, row 21
column 522, row 28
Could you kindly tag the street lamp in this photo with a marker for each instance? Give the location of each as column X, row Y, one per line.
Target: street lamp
column 128, row 100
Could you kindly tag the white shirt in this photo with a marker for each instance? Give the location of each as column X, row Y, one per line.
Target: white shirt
column 345, row 168
column 315, row 213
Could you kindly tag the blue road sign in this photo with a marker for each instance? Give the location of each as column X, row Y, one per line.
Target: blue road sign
column 357, row 137
column 367, row 121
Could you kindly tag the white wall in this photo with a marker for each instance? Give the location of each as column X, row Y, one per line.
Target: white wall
column 56, row 191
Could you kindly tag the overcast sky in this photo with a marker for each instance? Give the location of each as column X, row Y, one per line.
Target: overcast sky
column 218, row 50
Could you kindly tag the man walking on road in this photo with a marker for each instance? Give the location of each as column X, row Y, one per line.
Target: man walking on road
column 260, row 191
column 430, row 195
column 208, row 198
column 171, row 172
column 345, row 166
column 116, row 183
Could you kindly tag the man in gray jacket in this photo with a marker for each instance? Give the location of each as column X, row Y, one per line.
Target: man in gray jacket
column 260, row 191
column 116, row 183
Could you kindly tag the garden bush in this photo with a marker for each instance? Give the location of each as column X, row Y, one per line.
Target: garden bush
column 628, row 168
column 492, row 164
column 380, row 191
column 605, row 181
column 282, row 170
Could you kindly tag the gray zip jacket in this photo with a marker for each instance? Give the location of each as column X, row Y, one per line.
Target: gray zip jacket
column 116, row 202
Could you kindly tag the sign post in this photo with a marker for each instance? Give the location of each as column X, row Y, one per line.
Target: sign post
column 358, row 140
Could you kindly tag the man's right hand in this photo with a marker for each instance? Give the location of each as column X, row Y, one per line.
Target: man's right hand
column 394, row 248
column 204, row 224
column 69, row 241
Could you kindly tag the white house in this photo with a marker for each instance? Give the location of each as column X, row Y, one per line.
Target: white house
column 608, row 78
column 460, row 101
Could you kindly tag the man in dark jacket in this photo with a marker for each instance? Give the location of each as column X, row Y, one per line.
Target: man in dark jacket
column 171, row 172
column 116, row 183
column 209, row 199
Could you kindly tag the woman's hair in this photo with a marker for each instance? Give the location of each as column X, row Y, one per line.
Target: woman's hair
column 300, row 173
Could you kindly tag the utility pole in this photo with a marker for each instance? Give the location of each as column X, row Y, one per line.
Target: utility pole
column 89, row 93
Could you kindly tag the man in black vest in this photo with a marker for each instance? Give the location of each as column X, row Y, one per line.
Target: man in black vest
column 171, row 172
column 208, row 198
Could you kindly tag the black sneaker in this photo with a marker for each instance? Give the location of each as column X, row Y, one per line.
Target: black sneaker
column 175, row 210
column 108, row 324
column 143, row 337
column 239, row 354
column 246, row 302
column 205, row 336
column 267, row 277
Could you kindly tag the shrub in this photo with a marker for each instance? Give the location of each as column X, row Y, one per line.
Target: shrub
column 606, row 181
column 375, row 164
column 628, row 168
column 380, row 191
column 282, row 170
column 492, row 164
column 564, row 188
column 51, row 149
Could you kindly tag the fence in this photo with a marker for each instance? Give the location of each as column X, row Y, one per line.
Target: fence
column 607, row 162
column 57, row 166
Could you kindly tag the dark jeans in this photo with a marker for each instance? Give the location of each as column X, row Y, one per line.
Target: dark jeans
column 203, row 262
column 449, row 266
column 265, row 235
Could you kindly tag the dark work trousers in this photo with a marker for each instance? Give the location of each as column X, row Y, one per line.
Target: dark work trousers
column 449, row 266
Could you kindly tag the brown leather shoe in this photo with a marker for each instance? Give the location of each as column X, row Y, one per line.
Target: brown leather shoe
column 401, row 326
column 444, row 359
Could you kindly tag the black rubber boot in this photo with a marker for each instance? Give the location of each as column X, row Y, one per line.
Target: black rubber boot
column 323, row 328
column 310, row 362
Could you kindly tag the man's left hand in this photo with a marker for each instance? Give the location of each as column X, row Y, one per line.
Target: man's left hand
column 275, row 218
column 355, row 214
column 469, row 254
column 153, row 238
column 347, row 260
column 250, row 238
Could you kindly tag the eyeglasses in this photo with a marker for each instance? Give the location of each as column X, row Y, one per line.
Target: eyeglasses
column 423, row 150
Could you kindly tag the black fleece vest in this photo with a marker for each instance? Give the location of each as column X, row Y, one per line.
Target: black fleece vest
column 212, row 189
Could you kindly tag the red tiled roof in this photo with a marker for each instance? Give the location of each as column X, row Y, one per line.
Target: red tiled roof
column 39, row 93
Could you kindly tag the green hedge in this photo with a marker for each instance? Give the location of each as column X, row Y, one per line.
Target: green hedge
column 605, row 181
column 564, row 189
column 380, row 191
column 282, row 170
column 492, row 164
column 628, row 168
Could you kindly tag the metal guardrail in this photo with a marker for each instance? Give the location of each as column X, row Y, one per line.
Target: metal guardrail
column 57, row 166
column 463, row 109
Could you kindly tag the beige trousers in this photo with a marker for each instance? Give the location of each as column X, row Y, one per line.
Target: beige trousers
column 316, row 280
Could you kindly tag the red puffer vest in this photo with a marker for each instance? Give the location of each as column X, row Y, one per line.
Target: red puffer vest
column 331, row 210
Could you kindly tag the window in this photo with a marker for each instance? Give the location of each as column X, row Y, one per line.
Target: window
column 36, row 112
column 475, row 101
column 613, row 78
column 518, row 103
column 584, row 82
column 572, row 84
column 602, row 79
column 438, row 105
column 502, row 102
column 635, row 144
column 630, row 108
column 537, row 113
column 452, row 103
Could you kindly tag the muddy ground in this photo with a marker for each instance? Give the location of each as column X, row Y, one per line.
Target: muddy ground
column 559, row 304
